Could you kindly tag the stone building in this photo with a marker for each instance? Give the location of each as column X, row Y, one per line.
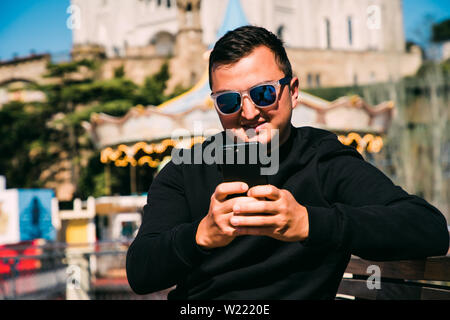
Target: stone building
column 15, row 74
column 330, row 42
column 142, row 37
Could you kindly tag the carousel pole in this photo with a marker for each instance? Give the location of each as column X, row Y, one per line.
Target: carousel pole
column 133, row 179
column 108, row 179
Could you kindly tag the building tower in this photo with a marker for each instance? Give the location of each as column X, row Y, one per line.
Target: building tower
column 188, row 63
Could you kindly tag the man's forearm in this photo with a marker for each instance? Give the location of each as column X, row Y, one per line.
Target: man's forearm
column 156, row 262
column 406, row 229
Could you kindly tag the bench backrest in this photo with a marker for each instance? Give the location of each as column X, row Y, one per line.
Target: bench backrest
column 427, row 279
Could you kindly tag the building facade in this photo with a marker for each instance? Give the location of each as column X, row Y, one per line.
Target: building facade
column 330, row 42
column 351, row 25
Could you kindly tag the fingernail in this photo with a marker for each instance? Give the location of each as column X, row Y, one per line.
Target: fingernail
column 236, row 208
column 234, row 220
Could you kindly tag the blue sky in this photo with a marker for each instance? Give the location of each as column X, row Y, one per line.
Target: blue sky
column 40, row 25
column 414, row 12
column 27, row 25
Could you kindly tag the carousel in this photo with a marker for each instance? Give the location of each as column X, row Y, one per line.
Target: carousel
column 146, row 135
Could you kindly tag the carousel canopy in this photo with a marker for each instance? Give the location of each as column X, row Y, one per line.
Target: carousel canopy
column 174, row 119
column 150, row 131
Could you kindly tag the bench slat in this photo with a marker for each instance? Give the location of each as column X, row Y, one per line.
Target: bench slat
column 434, row 268
column 392, row 291
column 356, row 288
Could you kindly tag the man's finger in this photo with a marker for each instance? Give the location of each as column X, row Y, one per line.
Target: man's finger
column 253, row 221
column 265, row 191
column 225, row 189
column 256, row 207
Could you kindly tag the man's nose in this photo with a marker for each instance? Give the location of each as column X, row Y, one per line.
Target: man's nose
column 249, row 110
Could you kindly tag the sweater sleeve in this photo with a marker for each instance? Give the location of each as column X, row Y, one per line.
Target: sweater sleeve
column 371, row 217
column 164, row 249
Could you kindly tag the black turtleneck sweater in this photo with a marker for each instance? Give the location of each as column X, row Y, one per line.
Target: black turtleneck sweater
column 353, row 208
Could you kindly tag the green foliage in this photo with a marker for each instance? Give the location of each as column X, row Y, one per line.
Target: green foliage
column 409, row 44
column 92, row 179
column 445, row 65
column 115, row 108
column 441, row 31
column 25, row 146
column 119, row 72
column 38, row 133
column 101, row 91
column 60, row 70
column 432, row 67
column 152, row 91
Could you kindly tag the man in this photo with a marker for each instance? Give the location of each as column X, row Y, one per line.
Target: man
column 292, row 238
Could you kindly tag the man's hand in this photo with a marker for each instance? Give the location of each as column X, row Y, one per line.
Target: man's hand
column 215, row 229
column 280, row 217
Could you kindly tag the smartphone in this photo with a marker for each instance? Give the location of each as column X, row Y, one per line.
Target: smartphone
column 241, row 162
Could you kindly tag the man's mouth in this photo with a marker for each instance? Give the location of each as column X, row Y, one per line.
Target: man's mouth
column 255, row 126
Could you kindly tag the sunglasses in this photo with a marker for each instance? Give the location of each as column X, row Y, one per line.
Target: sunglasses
column 263, row 95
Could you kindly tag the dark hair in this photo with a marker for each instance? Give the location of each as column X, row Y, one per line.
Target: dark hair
column 240, row 42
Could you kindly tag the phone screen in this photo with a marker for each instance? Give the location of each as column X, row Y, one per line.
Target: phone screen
column 241, row 163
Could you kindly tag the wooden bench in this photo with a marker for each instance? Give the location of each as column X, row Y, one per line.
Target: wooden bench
column 427, row 279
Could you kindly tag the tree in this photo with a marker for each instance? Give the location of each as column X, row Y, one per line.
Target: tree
column 441, row 31
column 152, row 91
column 47, row 143
column 25, row 144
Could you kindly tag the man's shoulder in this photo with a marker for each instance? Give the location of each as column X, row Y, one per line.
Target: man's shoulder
column 314, row 135
column 322, row 142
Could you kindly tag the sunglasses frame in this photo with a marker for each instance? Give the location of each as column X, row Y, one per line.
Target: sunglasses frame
column 276, row 83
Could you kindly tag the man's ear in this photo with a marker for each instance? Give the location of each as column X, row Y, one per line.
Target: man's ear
column 294, row 91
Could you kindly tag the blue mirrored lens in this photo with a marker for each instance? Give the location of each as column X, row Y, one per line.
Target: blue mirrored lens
column 264, row 95
column 229, row 102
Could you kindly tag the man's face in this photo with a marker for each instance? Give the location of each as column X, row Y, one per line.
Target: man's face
column 256, row 68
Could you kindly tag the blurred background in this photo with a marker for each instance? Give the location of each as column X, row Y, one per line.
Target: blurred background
column 92, row 91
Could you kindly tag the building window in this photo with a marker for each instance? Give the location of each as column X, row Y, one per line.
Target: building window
column 317, row 80
column 355, row 80
column 164, row 43
column 328, row 32
column 350, row 31
column 169, row 4
column 280, row 32
column 159, row 3
column 309, row 78
column 193, row 78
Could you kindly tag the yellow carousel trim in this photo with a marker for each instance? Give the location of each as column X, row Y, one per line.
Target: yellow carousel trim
column 124, row 155
column 369, row 142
